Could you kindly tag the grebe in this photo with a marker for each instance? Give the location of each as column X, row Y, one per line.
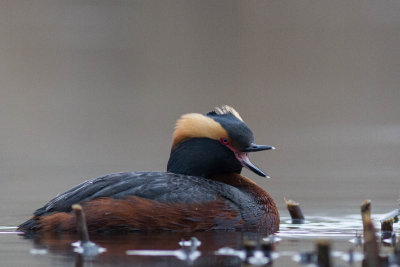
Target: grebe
column 202, row 189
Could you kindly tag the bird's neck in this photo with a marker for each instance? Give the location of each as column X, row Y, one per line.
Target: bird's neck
column 202, row 157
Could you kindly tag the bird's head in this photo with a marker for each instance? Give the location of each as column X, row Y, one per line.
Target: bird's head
column 215, row 143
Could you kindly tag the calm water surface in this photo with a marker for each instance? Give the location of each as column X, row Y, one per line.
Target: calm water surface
column 46, row 250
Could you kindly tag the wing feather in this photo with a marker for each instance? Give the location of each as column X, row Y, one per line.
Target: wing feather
column 159, row 186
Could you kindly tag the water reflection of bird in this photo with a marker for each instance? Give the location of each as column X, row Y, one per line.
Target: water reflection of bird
column 202, row 189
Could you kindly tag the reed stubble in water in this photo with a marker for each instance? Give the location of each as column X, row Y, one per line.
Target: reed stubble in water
column 387, row 228
column 323, row 253
column 81, row 223
column 371, row 248
column 249, row 247
column 87, row 249
column 366, row 211
column 295, row 211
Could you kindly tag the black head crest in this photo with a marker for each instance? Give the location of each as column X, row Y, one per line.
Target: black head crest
column 224, row 110
column 231, row 121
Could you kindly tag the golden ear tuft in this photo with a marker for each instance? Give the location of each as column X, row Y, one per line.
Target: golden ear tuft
column 195, row 125
column 226, row 110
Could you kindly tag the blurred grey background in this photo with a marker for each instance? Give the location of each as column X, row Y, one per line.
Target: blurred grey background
column 94, row 87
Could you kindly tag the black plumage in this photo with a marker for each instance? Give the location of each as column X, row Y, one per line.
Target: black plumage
column 158, row 186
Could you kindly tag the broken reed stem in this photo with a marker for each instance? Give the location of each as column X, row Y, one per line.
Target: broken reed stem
column 366, row 211
column 267, row 248
column 323, row 253
column 249, row 247
column 295, row 211
column 387, row 225
column 81, row 223
column 387, row 228
column 371, row 248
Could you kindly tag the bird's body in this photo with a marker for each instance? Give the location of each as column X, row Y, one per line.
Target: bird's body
column 202, row 190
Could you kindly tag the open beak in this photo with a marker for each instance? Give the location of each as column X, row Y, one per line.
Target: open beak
column 243, row 157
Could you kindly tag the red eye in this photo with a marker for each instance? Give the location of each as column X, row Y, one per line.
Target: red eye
column 224, row 141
